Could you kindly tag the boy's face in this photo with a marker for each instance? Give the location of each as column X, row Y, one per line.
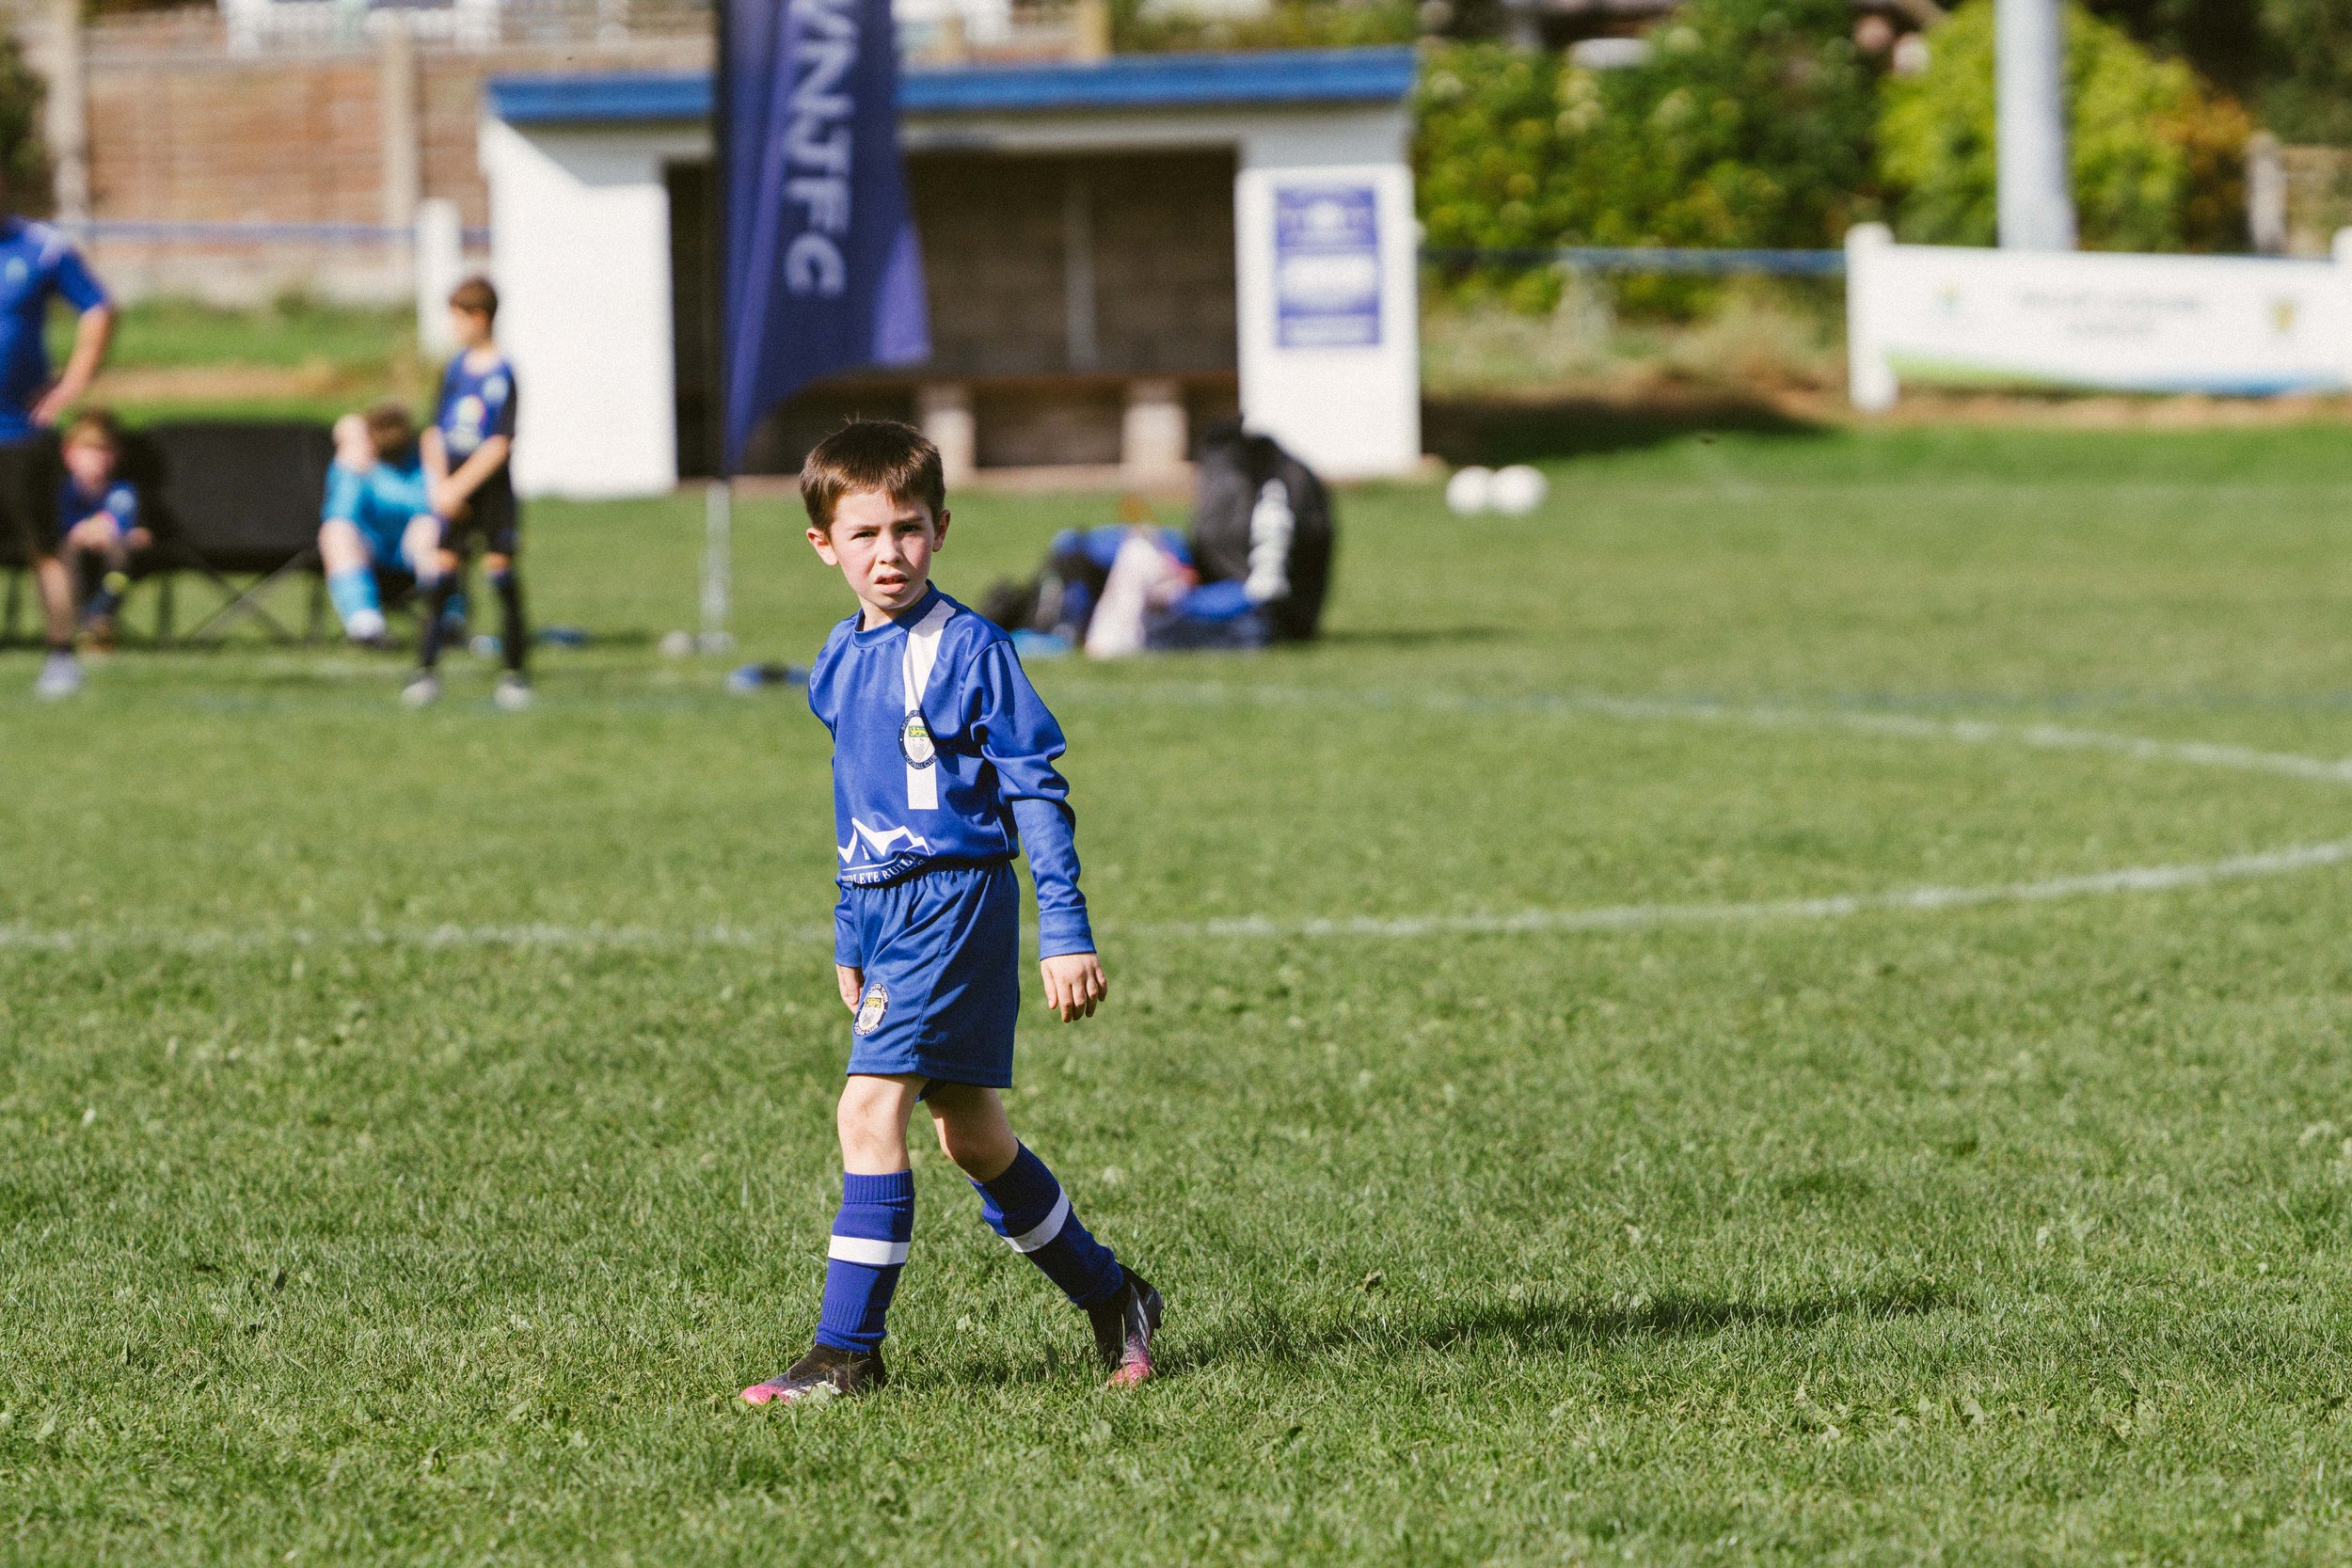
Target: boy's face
column 882, row 546
column 471, row 328
column 90, row 463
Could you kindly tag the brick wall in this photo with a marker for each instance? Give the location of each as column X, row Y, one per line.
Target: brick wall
column 1160, row 228
column 192, row 134
column 236, row 143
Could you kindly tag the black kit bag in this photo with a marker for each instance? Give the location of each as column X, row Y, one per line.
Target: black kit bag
column 1233, row 468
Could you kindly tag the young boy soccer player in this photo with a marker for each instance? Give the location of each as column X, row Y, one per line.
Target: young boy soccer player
column 97, row 519
column 943, row 769
column 475, row 499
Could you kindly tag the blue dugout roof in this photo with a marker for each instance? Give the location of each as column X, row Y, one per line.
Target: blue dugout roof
column 1270, row 78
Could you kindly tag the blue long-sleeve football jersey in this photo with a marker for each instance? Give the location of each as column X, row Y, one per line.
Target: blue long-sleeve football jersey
column 942, row 755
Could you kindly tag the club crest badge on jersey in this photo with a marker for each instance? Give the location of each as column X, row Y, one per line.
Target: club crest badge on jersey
column 915, row 742
column 871, row 1007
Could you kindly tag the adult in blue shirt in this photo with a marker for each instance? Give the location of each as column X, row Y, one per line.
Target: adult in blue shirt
column 37, row 266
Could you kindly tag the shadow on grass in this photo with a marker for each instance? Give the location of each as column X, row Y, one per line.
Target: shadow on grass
column 1381, row 1330
column 1496, row 430
column 1412, row 637
column 1544, row 1325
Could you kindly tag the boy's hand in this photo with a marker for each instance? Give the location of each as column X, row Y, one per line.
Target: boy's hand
column 1073, row 984
column 852, row 982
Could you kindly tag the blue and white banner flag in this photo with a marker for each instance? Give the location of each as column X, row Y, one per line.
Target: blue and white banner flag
column 824, row 272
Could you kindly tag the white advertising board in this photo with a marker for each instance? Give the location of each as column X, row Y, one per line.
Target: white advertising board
column 1324, row 286
column 1950, row 315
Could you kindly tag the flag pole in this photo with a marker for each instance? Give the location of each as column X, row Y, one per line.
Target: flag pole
column 719, row 495
column 718, row 565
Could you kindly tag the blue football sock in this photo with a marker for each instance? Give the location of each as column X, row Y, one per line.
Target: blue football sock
column 869, row 1248
column 352, row 593
column 1028, row 1209
column 518, row 636
column 108, row 600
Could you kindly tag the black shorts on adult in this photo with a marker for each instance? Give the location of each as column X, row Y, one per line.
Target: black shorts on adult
column 30, row 468
column 493, row 522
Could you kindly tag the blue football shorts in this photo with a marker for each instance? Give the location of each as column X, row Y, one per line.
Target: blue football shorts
column 943, row 976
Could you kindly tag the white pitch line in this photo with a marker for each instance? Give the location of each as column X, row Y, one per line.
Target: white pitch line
column 2153, row 879
column 1619, row 917
column 1622, row 917
column 1763, row 715
column 597, row 937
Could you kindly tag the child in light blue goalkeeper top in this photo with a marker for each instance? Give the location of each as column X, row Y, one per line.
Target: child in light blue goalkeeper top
column 942, row 770
column 377, row 515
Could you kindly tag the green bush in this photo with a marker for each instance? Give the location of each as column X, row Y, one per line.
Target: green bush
column 2158, row 160
column 1136, row 28
column 23, row 153
column 2306, row 77
column 1749, row 125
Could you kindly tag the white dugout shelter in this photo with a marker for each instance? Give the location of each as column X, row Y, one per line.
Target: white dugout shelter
column 1116, row 253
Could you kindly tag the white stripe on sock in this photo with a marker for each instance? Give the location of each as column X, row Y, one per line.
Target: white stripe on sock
column 867, row 1250
column 1047, row 1228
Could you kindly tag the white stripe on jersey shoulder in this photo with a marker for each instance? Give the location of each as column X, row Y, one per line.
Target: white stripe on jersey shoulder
column 52, row 240
column 922, row 650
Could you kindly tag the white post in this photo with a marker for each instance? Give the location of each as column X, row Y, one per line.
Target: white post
column 68, row 110
column 2036, row 197
column 1869, row 380
column 2339, row 252
column 2266, row 194
column 942, row 409
column 1152, row 433
column 718, row 565
column 441, row 263
column 397, row 118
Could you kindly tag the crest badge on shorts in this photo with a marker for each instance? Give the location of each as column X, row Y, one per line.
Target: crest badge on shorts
column 915, row 742
column 871, row 1007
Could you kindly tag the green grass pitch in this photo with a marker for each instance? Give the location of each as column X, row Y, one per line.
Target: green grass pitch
column 414, row 1127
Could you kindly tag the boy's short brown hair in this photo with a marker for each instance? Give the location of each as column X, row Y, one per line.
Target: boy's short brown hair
column 392, row 430
column 872, row 455
column 96, row 427
column 477, row 296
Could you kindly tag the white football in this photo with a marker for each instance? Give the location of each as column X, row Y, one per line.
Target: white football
column 1469, row 490
column 1518, row 489
column 678, row 644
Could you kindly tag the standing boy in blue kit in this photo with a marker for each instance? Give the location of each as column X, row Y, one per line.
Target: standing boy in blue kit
column 942, row 770
column 469, row 471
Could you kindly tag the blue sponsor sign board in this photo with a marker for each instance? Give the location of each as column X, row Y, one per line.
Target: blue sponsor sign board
column 1327, row 267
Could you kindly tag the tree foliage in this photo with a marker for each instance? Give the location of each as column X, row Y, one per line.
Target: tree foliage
column 1136, row 27
column 23, row 152
column 1750, row 124
column 2158, row 157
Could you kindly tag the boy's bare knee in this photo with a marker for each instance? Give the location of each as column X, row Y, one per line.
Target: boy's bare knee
column 872, row 1120
column 973, row 1131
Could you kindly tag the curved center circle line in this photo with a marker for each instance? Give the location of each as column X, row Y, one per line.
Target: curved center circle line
column 2044, row 736
column 1629, row 917
column 2154, row 879
column 1621, row 917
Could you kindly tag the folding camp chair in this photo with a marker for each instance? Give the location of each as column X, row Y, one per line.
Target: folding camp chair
column 241, row 500
column 28, row 489
column 15, row 561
